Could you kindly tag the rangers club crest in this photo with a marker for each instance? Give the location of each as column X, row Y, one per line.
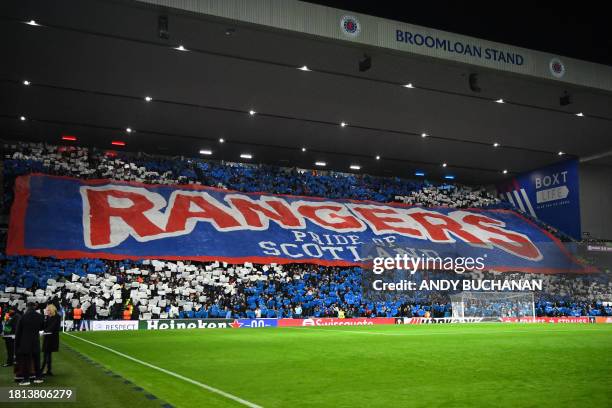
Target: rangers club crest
column 350, row 26
column 557, row 69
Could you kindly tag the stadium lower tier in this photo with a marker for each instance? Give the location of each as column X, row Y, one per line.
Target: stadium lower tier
column 152, row 289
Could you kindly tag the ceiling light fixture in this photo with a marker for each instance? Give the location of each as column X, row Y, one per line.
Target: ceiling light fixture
column 419, row 174
column 444, row 164
column 69, row 138
column 355, row 167
column 473, row 82
column 246, row 156
column 565, row 99
column 320, row 163
column 365, row 64
column 206, row 152
column 118, row 143
column 449, row 177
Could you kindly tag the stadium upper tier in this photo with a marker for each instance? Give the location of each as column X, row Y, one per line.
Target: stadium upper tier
column 22, row 158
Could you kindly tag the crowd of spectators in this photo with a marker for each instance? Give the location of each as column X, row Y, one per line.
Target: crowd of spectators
column 162, row 289
column 22, row 158
column 156, row 289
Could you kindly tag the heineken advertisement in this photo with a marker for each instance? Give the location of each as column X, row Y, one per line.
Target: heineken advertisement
column 173, row 324
column 180, row 324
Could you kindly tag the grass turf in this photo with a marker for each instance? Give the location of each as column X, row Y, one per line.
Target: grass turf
column 501, row 365
column 95, row 386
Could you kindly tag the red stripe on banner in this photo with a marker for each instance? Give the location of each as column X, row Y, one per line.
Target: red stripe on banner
column 15, row 240
column 97, row 182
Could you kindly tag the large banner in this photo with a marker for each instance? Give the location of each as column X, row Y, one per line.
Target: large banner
column 550, row 194
column 70, row 218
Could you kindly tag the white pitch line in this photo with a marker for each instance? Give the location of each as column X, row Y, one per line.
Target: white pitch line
column 173, row 374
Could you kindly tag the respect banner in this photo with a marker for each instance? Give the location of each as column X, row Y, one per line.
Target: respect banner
column 113, row 325
column 72, row 218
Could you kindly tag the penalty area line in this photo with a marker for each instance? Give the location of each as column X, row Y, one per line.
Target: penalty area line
column 171, row 373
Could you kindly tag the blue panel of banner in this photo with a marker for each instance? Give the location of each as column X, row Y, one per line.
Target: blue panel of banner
column 66, row 217
column 550, row 194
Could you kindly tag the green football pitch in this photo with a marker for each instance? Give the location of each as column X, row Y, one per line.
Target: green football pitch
column 486, row 365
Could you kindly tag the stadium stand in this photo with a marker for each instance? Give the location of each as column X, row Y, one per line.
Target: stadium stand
column 162, row 289
column 22, row 158
column 159, row 289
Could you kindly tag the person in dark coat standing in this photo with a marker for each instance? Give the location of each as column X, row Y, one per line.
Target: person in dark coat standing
column 51, row 337
column 27, row 344
column 8, row 332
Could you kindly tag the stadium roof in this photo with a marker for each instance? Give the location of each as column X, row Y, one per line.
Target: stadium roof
column 90, row 65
